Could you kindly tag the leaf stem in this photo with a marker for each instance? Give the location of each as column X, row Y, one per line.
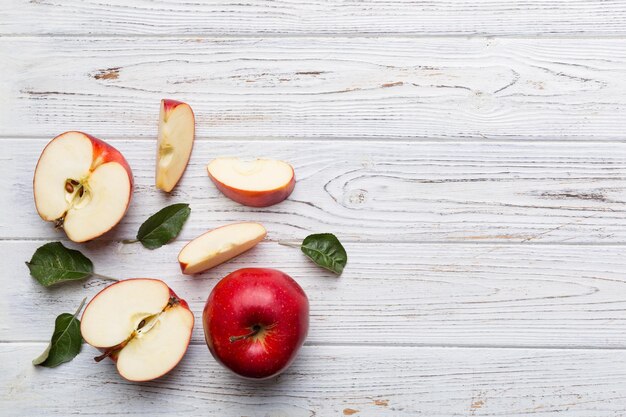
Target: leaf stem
column 127, row 241
column 104, row 277
column 290, row 244
column 80, row 307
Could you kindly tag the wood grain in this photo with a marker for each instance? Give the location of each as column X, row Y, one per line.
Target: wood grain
column 470, row 154
column 327, row 381
column 319, row 17
column 392, row 294
column 375, row 191
column 435, row 88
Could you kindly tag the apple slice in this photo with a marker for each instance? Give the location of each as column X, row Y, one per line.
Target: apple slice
column 176, row 134
column 219, row 245
column 257, row 183
column 141, row 324
column 82, row 184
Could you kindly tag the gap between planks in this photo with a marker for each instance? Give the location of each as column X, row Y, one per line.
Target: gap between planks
column 481, row 242
column 402, row 345
column 311, row 35
column 422, row 140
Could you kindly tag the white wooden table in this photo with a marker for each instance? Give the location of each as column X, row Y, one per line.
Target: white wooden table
column 470, row 154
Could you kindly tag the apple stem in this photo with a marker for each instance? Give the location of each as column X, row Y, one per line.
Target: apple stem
column 104, row 277
column 58, row 223
column 255, row 330
column 290, row 244
column 111, row 351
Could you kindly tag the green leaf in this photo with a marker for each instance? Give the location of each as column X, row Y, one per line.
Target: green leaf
column 163, row 226
column 53, row 263
column 326, row 251
column 66, row 340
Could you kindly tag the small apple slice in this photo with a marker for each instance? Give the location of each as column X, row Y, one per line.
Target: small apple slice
column 257, row 183
column 219, row 245
column 176, row 135
column 141, row 324
column 82, row 184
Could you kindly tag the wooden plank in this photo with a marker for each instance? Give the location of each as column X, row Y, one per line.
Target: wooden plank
column 487, row 17
column 375, row 191
column 324, row 381
column 428, row 294
column 319, row 87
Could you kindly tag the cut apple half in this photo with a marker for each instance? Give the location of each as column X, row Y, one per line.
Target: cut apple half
column 219, row 245
column 256, row 183
column 141, row 324
column 82, row 184
column 175, row 141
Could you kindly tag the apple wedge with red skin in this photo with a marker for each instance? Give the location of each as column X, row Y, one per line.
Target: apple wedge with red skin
column 141, row 324
column 255, row 321
column 257, row 183
column 82, row 184
column 175, row 142
column 219, row 245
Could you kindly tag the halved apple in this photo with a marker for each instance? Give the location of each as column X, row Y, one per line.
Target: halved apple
column 257, row 183
column 176, row 135
column 141, row 324
column 82, row 184
column 219, row 245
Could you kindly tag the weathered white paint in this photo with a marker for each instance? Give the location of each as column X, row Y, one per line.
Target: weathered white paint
column 315, row 17
column 392, row 294
column 375, row 191
column 479, row 185
column 452, row 88
column 330, row 381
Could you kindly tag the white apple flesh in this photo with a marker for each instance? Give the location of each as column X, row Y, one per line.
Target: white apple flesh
column 82, row 184
column 257, row 183
column 141, row 324
column 175, row 141
column 219, row 245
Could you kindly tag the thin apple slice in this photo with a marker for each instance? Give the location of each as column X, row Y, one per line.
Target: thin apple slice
column 257, row 183
column 175, row 141
column 219, row 245
column 82, row 184
column 141, row 324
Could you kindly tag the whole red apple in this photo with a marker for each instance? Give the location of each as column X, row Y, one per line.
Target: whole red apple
column 255, row 321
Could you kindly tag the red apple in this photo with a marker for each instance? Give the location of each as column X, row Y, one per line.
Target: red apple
column 82, row 184
column 141, row 324
column 176, row 135
column 257, row 183
column 255, row 321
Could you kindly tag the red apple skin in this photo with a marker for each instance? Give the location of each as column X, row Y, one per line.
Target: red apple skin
column 181, row 302
column 249, row 297
column 102, row 153
column 169, row 104
column 256, row 198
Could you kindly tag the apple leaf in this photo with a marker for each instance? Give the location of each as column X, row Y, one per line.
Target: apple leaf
column 163, row 226
column 53, row 263
column 326, row 251
column 66, row 340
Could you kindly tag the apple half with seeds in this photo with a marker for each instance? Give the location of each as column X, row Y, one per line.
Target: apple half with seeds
column 177, row 128
column 219, row 245
column 141, row 324
column 82, row 184
column 256, row 183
